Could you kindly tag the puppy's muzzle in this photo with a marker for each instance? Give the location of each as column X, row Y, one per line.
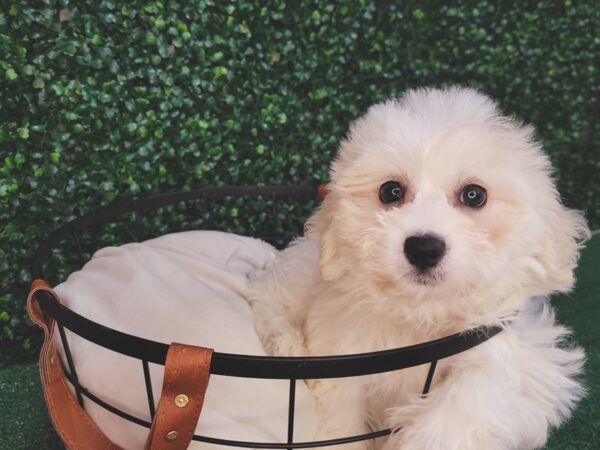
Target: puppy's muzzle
column 424, row 251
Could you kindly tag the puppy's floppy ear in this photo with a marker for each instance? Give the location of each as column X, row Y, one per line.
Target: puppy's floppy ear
column 564, row 237
column 322, row 224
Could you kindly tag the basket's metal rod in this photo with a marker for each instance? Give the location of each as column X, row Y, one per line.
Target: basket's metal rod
column 149, row 394
column 291, row 412
column 429, row 378
column 38, row 270
column 125, row 205
column 138, row 216
column 274, row 209
column 277, row 445
column 227, row 442
column 65, row 343
column 252, row 366
column 97, row 400
column 77, row 240
column 205, row 215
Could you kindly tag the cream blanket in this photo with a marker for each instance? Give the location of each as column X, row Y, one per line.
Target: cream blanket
column 186, row 287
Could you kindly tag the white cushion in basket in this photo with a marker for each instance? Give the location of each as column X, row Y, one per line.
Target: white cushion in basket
column 189, row 288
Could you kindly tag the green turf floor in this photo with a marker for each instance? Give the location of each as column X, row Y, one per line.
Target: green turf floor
column 24, row 423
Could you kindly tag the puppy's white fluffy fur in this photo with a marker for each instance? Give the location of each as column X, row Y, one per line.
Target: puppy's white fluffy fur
column 347, row 286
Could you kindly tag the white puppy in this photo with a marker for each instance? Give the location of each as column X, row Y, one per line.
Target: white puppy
column 441, row 216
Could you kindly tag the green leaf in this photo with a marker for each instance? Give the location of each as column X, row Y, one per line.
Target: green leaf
column 10, row 74
column 418, row 14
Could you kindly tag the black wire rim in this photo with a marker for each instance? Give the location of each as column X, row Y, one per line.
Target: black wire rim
column 246, row 366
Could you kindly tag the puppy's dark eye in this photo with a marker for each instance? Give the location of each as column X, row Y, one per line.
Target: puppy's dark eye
column 390, row 192
column 473, row 196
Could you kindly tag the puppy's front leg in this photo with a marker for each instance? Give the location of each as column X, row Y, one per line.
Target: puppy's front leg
column 342, row 408
column 280, row 296
column 503, row 395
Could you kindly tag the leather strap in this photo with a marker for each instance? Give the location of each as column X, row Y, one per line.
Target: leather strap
column 74, row 426
column 184, row 386
column 322, row 191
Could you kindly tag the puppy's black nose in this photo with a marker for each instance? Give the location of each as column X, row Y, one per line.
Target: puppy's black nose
column 425, row 251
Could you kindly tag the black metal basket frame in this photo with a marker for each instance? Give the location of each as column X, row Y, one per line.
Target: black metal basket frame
column 245, row 366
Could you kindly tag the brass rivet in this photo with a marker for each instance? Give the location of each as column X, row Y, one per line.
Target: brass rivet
column 182, row 400
column 52, row 360
column 171, row 435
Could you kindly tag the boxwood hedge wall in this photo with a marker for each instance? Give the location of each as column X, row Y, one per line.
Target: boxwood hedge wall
column 98, row 99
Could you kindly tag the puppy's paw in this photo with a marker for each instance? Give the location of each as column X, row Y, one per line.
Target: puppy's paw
column 280, row 339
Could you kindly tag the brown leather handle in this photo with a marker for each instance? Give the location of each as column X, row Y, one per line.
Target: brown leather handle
column 70, row 420
column 322, row 191
column 184, row 386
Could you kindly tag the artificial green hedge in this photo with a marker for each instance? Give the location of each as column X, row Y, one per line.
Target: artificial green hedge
column 99, row 99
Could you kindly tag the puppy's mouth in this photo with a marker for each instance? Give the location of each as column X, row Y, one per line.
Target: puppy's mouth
column 429, row 277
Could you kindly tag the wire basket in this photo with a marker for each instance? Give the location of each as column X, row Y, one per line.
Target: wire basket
column 265, row 198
